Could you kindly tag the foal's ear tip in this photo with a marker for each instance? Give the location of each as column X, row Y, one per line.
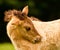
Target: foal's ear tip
column 26, row 6
column 25, row 10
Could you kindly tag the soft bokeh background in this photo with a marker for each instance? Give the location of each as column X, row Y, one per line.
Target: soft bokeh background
column 47, row 10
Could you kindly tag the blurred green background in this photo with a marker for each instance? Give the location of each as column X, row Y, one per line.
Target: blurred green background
column 45, row 10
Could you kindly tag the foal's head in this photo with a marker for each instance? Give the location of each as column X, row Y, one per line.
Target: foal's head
column 26, row 27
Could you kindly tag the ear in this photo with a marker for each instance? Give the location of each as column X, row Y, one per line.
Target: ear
column 25, row 10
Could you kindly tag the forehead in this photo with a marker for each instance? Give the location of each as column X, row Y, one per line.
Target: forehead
column 19, row 14
column 22, row 17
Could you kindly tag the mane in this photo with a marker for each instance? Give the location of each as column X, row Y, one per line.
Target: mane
column 10, row 13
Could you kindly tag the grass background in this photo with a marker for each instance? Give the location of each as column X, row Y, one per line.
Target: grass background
column 6, row 46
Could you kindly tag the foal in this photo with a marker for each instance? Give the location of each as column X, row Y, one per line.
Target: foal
column 31, row 34
column 20, row 29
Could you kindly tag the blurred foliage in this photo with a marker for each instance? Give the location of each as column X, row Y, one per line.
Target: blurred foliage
column 45, row 10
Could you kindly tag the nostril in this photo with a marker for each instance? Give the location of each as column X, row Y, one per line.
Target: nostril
column 37, row 39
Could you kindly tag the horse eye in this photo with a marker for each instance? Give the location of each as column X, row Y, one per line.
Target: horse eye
column 28, row 28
